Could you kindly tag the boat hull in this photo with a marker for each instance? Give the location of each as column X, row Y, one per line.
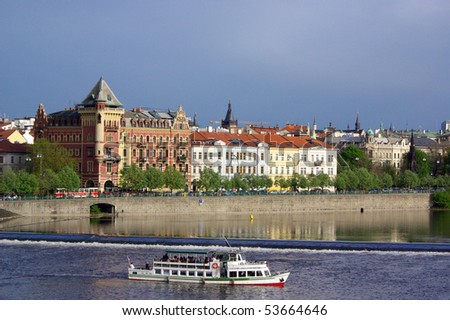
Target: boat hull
column 273, row 280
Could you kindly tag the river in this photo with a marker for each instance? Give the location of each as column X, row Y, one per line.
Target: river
column 71, row 268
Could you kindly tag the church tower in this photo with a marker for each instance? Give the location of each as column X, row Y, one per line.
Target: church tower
column 229, row 123
column 40, row 123
column 357, row 123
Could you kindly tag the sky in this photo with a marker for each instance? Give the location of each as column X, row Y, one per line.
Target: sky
column 278, row 62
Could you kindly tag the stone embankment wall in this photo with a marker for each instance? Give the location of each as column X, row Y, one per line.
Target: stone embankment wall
column 277, row 204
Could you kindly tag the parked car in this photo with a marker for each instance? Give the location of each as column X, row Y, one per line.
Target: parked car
column 10, row 197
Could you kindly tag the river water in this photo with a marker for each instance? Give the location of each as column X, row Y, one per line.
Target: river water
column 67, row 267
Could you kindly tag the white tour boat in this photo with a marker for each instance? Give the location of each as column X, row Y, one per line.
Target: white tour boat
column 207, row 267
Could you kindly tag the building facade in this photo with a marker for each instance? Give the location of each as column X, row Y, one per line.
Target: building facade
column 103, row 137
column 13, row 156
column 269, row 155
column 228, row 154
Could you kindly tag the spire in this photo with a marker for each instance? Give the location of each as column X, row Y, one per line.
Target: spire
column 357, row 124
column 229, row 121
column 101, row 92
column 412, row 163
column 313, row 135
column 195, row 124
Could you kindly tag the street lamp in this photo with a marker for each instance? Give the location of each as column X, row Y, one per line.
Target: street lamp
column 40, row 157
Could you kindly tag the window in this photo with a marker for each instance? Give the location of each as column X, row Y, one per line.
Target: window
column 233, row 274
column 251, row 273
column 90, row 166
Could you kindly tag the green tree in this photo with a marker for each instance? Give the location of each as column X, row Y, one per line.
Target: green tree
column 239, row 183
column 447, row 163
column 303, row 183
column 49, row 155
column 387, row 181
column 154, row 178
column 323, row 180
column 365, row 179
column 294, row 181
column 132, row 178
column 173, row 179
column 27, row 183
column 409, row 179
column 339, row 182
column 68, row 179
column 353, row 157
column 209, row 180
column 49, row 181
column 227, row 184
column 351, row 179
column 9, row 182
column 422, row 162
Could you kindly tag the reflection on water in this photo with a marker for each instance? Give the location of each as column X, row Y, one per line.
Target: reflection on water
column 393, row 226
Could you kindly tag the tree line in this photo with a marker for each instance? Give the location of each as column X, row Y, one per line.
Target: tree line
column 50, row 167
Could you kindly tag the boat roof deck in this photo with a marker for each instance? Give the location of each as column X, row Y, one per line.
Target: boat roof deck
column 187, row 251
column 199, row 251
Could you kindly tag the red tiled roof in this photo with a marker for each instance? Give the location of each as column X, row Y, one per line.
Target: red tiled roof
column 8, row 147
column 4, row 134
column 201, row 137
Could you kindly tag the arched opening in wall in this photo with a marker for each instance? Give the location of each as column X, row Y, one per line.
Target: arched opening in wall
column 109, row 186
column 90, row 184
column 103, row 209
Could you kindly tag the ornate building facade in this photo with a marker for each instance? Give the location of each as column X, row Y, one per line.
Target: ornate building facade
column 103, row 137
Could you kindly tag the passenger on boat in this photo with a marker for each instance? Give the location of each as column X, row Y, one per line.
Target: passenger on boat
column 131, row 265
column 147, row 266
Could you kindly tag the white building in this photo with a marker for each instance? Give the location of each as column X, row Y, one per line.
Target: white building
column 228, row 153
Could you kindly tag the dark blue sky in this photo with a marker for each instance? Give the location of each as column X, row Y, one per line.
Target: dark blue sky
column 278, row 61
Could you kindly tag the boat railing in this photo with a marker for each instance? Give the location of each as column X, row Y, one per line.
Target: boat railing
column 183, row 265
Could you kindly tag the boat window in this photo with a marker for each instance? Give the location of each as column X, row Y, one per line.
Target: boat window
column 241, row 274
column 209, row 274
column 182, row 272
column 158, row 271
column 259, row 273
column 174, row 272
column 192, row 273
column 165, row 271
column 267, row 273
column 233, row 274
column 251, row 273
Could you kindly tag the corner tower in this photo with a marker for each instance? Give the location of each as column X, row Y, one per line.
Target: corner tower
column 101, row 114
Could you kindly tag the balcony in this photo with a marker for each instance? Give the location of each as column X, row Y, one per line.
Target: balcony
column 111, row 158
column 181, row 158
column 142, row 159
column 162, row 159
column 318, row 163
